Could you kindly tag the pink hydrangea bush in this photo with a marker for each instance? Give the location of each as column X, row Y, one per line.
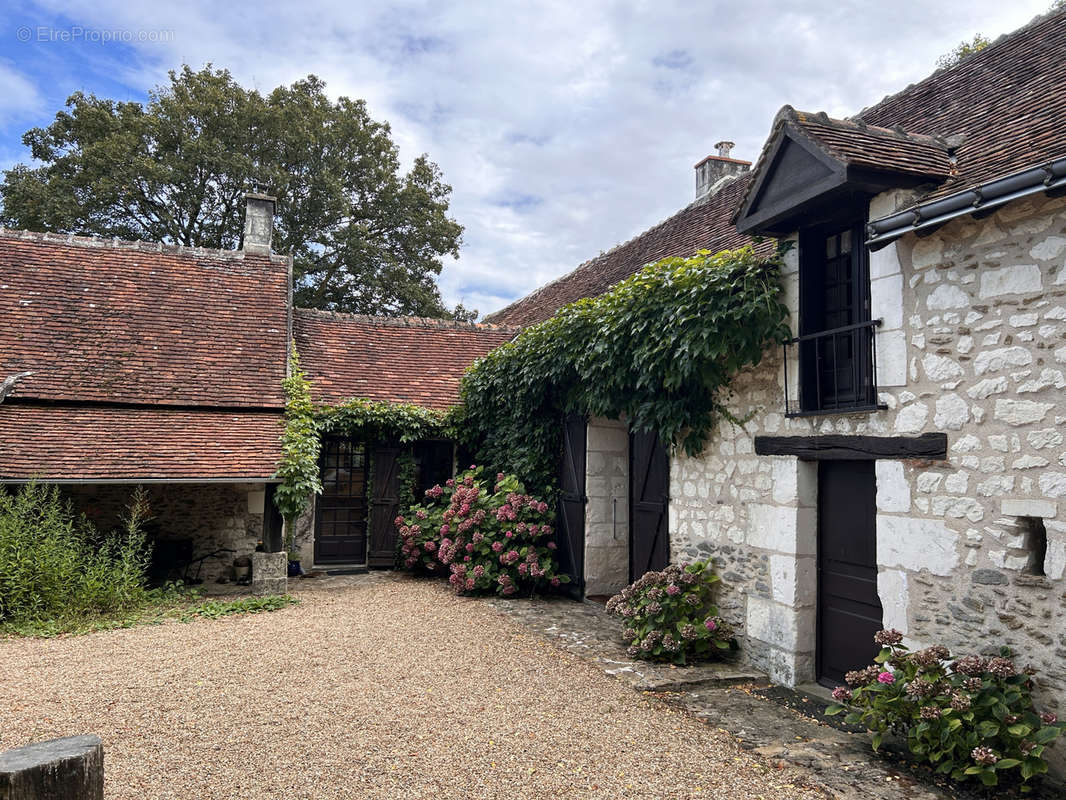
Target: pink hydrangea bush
column 670, row 615
column 968, row 717
column 488, row 536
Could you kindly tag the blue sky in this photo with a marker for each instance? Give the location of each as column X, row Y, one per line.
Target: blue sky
column 564, row 128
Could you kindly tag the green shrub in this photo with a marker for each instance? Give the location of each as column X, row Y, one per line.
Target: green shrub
column 54, row 563
column 971, row 717
column 670, row 615
column 490, row 537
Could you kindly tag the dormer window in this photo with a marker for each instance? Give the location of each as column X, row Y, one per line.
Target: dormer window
column 816, row 176
column 835, row 345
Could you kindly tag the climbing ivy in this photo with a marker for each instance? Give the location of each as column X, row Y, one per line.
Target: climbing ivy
column 658, row 349
column 300, row 445
column 367, row 420
column 378, row 421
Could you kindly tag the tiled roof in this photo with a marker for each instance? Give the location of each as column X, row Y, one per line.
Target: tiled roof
column 135, row 322
column 1006, row 103
column 396, row 359
column 706, row 225
column 107, row 443
column 858, row 144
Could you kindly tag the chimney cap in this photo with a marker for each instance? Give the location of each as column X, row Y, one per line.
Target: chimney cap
column 260, row 196
column 724, row 147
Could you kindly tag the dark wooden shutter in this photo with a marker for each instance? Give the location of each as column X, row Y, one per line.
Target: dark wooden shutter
column 384, row 507
column 570, row 524
column 649, row 496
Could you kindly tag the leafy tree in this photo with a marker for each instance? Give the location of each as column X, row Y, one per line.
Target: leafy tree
column 365, row 237
column 963, row 49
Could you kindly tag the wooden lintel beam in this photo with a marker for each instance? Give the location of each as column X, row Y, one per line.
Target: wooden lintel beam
column 854, row 448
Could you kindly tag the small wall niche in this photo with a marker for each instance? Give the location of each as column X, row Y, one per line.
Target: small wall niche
column 1035, row 544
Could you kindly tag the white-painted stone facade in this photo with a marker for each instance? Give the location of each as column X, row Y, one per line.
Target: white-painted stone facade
column 973, row 343
column 607, row 510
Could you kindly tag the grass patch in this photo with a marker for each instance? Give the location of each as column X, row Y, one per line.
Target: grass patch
column 161, row 605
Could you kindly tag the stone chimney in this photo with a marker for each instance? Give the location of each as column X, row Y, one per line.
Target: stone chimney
column 258, row 222
column 714, row 172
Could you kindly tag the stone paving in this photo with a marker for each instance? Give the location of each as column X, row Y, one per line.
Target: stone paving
column 777, row 723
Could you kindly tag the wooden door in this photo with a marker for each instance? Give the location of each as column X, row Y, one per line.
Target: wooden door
column 385, row 507
column 341, row 509
column 570, row 512
column 849, row 609
column 649, row 497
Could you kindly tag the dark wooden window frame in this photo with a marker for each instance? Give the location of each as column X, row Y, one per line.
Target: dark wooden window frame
column 836, row 342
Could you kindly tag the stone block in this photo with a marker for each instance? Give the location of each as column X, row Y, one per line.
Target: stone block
column 269, row 573
column 947, row 296
column 886, row 301
column 1049, row 249
column 71, row 768
column 941, row 368
column 788, row 629
column 607, row 437
column 1044, row 509
column 785, row 479
column 892, row 589
column 884, row 262
column 927, row 252
column 786, row 529
column 256, row 501
column 793, row 580
column 912, row 418
column 915, row 544
column 1053, row 484
column 1002, row 358
column 893, row 489
column 951, row 413
column 1016, row 279
column 1021, row 412
column 891, row 358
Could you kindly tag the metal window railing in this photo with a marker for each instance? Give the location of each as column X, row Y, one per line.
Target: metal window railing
column 837, row 371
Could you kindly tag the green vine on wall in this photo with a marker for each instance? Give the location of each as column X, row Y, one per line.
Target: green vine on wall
column 659, row 349
column 300, row 446
column 366, row 420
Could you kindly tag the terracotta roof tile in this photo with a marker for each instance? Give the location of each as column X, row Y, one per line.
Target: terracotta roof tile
column 874, row 147
column 108, row 443
column 135, row 322
column 1007, row 104
column 700, row 226
column 399, row 360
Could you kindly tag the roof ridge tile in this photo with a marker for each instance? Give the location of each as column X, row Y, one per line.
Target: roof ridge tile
column 98, row 242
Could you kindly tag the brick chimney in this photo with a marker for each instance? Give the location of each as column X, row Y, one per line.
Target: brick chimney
column 258, row 222
column 712, row 172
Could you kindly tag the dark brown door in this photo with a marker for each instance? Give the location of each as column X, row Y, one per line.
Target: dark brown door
column 570, row 516
column 340, row 511
column 849, row 610
column 649, row 496
column 385, row 507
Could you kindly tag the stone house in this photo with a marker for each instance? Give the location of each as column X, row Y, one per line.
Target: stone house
column 904, row 464
column 128, row 364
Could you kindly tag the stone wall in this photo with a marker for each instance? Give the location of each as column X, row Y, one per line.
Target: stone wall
column 607, row 511
column 213, row 515
column 973, row 344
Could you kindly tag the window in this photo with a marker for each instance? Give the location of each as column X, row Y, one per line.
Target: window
column 835, row 346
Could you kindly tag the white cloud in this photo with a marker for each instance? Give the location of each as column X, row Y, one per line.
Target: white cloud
column 19, row 97
column 563, row 128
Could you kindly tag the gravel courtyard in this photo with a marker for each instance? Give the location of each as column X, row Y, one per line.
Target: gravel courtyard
column 384, row 687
